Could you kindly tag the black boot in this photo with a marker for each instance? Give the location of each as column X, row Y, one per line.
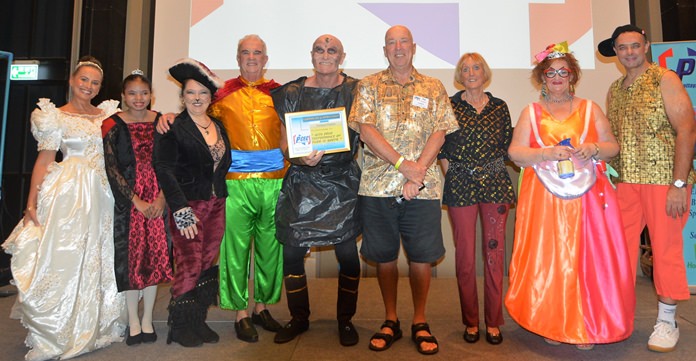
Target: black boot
column 183, row 314
column 298, row 303
column 345, row 309
column 206, row 294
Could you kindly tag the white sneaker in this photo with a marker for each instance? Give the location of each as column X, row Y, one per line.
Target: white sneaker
column 664, row 338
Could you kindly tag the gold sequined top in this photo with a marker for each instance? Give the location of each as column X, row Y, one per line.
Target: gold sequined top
column 252, row 124
column 405, row 115
column 639, row 121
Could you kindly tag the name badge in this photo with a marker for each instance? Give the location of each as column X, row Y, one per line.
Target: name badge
column 421, row 102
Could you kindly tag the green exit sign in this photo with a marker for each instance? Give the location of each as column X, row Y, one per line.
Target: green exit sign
column 24, row 71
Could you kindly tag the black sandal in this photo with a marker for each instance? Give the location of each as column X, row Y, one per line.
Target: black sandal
column 388, row 339
column 419, row 340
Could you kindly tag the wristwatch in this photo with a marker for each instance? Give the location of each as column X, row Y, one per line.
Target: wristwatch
column 679, row 183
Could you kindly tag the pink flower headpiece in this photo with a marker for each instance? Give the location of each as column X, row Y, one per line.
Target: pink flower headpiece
column 553, row 51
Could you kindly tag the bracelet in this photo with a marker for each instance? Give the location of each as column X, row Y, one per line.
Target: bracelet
column 596, row 147
column 28, row 209
column 184, row 218
column 398, row 162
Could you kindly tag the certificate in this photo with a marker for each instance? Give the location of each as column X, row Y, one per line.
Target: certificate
column 325, row 129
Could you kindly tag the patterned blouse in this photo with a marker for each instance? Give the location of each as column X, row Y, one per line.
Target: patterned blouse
column 477, row 153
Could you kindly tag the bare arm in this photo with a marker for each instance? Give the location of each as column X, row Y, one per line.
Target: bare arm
column 520, row 151
column 412, row 170
column 432, row 148
column 427, row 157
column 44, row 159
column 681, row 116
column 606, row 147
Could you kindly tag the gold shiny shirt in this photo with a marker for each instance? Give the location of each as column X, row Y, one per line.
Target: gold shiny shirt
column 406, row 116
column 639, row 121
column 251, row 123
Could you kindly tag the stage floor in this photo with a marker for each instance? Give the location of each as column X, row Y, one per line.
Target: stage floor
column 321, row 341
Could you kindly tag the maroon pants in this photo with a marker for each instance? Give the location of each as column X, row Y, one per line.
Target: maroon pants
column 493, row 220
column 193, row 256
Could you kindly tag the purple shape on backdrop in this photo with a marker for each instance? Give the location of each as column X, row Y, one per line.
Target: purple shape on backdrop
column 435, row 27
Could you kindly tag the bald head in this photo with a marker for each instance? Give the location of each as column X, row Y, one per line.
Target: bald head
column 327, row 55
column 399, row 49
column 398, row 31
column 327, row 41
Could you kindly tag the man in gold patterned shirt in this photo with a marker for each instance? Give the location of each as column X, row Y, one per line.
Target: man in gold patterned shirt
column 403, row 117
column 652, row 118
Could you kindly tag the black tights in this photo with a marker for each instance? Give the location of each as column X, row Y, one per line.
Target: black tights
column 346, row 253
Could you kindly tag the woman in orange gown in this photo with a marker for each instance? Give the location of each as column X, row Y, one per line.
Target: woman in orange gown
column 570, row 278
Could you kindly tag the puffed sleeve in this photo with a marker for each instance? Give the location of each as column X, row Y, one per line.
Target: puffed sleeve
column 109, row 107
column 45, row 125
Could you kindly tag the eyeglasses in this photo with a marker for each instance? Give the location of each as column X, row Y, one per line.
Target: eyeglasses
column 562, row 72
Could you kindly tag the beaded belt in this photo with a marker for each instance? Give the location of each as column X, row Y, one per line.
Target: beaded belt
column 480, row 171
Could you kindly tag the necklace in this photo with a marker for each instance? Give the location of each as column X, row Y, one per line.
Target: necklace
column 481, row 103
column 205, row 129
column 570, row 108
column 564, row 99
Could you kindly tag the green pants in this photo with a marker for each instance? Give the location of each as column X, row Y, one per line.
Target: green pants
column 250, row 213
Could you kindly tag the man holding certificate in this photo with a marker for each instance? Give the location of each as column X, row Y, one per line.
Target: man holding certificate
column 402, row 117
column 318, row 200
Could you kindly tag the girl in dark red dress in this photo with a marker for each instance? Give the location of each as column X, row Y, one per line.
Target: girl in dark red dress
column 141, row 257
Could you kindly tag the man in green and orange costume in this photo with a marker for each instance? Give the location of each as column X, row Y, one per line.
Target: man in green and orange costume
column 253, row 181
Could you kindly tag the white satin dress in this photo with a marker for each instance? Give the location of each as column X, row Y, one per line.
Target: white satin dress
column 64, row 269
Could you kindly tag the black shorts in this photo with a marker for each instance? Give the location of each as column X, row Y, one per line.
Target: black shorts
column 415, row 222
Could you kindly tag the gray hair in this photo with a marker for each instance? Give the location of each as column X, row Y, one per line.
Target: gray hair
column 248, row 37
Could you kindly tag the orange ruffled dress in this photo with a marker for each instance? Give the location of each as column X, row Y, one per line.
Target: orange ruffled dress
column 570, row 277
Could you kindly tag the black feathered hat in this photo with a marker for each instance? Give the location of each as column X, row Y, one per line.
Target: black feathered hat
column 188, row 68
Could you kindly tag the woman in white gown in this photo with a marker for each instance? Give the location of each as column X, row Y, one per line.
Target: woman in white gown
column 62, row 251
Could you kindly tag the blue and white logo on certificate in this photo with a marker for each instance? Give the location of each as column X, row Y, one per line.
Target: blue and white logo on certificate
column 325, row 129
